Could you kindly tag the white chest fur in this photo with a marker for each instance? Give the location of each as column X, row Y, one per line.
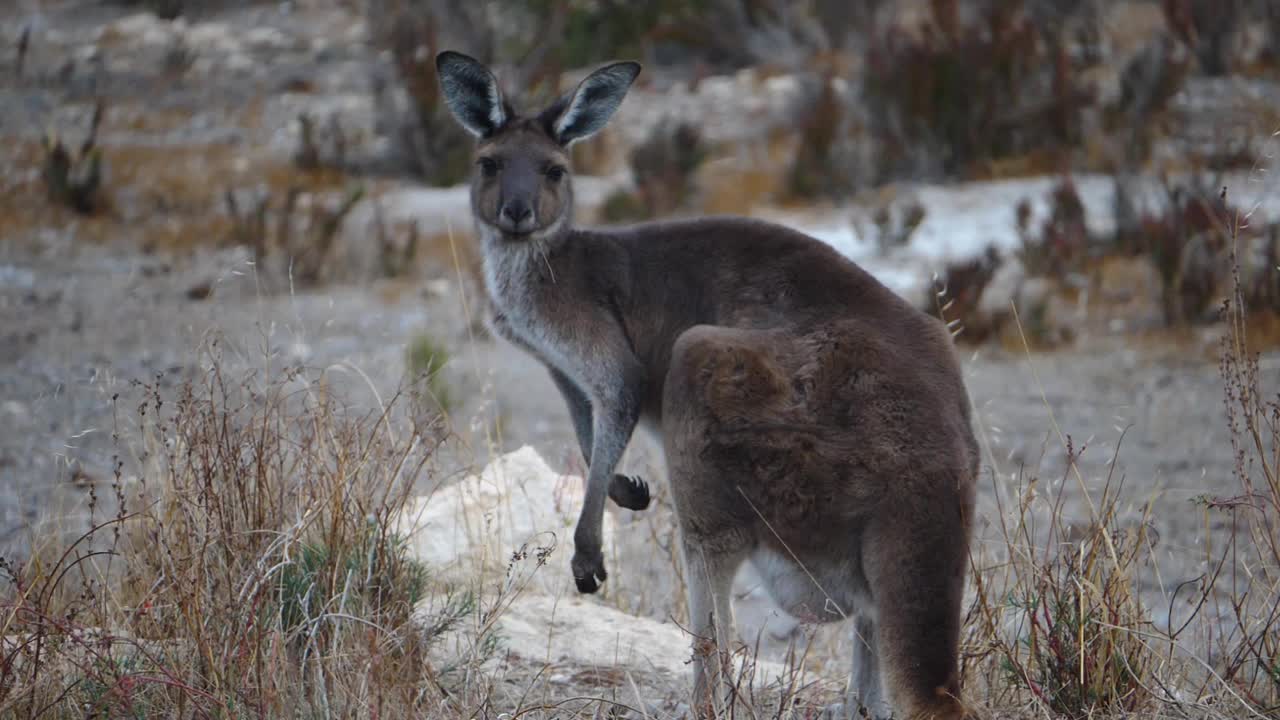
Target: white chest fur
column 511, row 272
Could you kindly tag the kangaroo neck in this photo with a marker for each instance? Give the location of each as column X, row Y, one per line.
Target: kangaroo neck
column 512, row 268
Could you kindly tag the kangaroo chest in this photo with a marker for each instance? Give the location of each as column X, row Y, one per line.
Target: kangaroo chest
column 530, row 312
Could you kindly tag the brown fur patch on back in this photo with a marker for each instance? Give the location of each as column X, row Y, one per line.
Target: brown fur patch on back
column 821, row 422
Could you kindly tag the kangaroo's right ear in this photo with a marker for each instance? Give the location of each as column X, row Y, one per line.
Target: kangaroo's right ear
column 586, row 112
column 471, row 93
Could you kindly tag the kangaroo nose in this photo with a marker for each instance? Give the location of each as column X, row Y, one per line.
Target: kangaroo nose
column 517, row 212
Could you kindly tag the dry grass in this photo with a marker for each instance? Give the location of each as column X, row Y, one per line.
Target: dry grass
column 298, row 240
column 247, row 572
column 1057, row 623
column 161, row 198
column 752, row 177
column 1252, row 647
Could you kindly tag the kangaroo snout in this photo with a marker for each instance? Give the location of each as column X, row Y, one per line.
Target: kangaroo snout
column 516, row 217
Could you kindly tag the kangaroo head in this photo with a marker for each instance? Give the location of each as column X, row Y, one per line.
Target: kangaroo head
column 520, row 187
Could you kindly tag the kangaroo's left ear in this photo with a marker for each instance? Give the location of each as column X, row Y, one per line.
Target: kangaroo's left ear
column 471, row 93
column 588, row 110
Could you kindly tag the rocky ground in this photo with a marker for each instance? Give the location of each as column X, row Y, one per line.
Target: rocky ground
column 140, row 292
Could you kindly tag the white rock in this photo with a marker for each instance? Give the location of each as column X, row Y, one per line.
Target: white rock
column 439, row 288
column 577, row 631
column 1033, row 293
column 1003, row 287
column 469, row 531
column 472, row 529
column 781, row 93
column 299, row 351
column 87, row 53
column 212, row 37
column 358, row 31
column 142, row 29
column 266, row 38
column 717, row 90
column 12, row 276
column 239, row 62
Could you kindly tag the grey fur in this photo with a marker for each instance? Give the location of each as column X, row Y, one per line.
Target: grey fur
column 594, row 102
column 814, row 422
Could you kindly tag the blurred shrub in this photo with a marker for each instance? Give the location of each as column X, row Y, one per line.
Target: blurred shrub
column 848, row 23
column 822, row 166
column 1209, row 28
column 961, row 92
column 164, row 9
column 594, row 32
column 296, row 246
column 1186, row 237
column 623, row 206
column 1187, row 242
column 1148, row 81
column 1260, row 273
column 320, row 146
column 894, row 230
column 959, row 291
column 425, row 358
column 1267, row 14
column 396, row 257
column 1191, row 237
column 1062, row 241
column 724, row 34
column 531, row 44
column 410, row 106
column 435, row 147
column 663, row 168
column 71, row 178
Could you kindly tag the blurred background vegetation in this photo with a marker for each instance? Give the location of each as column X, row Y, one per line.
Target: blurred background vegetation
column 756, row 106
column 1165, row 97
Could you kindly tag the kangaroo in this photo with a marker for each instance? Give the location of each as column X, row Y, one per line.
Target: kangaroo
column 814, row 422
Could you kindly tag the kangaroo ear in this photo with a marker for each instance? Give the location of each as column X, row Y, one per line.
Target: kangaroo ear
column 471, row 93
column 593, row 102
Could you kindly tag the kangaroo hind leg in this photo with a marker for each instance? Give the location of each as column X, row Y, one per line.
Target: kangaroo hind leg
column 709, row 568
column 917, row 580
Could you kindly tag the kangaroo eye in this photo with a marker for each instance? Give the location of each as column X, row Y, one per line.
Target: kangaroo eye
column 555, row 173
column 488, row 166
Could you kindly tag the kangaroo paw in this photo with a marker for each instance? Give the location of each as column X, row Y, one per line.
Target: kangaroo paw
column 588, row 570
column 629, row 492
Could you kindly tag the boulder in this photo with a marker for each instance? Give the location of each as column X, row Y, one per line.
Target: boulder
column 579, row 632
column 517, row 505
column 489, row 533
column 1006, row 284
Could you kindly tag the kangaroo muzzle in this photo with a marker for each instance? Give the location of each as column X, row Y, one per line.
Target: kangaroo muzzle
column 517, row 218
